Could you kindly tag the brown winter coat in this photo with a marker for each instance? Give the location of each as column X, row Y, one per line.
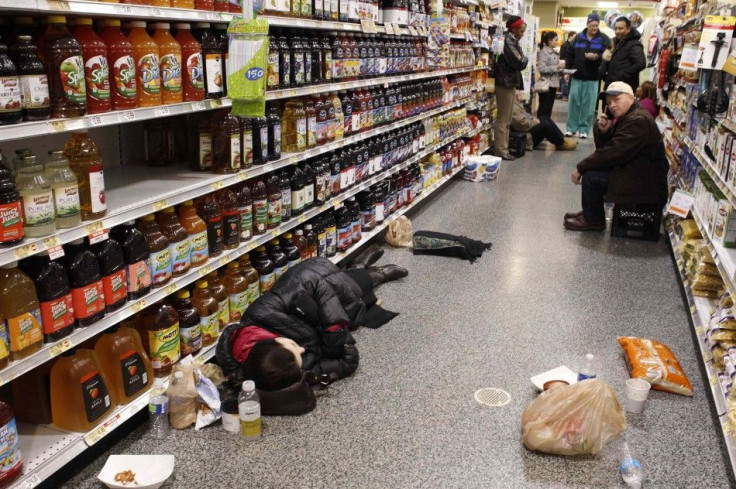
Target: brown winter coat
column 633, row 152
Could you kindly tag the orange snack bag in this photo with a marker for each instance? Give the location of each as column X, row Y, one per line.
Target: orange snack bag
column 652, row 361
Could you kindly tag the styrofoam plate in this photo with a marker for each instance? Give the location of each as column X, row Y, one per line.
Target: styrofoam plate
column 151, row 471
column 559, row 373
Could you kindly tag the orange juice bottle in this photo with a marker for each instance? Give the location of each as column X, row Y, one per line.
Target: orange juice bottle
column 169, row 63
column 182, row 4
column 197, row 230
column 80, row 397
column 21, row 334
column 160, row 323
column 209, row 312
column 124, row 362
column 219, row 292
column 161, row 3
column 237, row 291
column 146, row 56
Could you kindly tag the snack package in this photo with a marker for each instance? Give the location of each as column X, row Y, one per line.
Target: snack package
column 654, row 362
column 689, row 230
column 209, row 409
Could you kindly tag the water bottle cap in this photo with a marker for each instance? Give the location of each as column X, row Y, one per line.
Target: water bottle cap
column 249, row 386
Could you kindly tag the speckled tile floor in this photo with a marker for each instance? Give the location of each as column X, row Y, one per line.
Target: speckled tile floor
column 543, row 297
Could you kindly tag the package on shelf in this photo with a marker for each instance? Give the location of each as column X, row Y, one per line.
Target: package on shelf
column 481, row 168
column 716, row 211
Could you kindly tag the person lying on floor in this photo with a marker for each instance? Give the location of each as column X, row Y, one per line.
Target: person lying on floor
column 628, row 165
column 303, row 325
column 536, row 130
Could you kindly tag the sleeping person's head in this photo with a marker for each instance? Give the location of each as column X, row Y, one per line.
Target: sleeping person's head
column 274, row 364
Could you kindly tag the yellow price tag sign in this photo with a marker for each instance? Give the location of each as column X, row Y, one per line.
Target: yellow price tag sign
column 293, row 160
column 275, row 233
column 335, row 202
column 58, row 126
column 205, row 270
column 217, row 185
column 60, row 347
column 243, row 175
column 224, row 261
column 26, row 250
column 713, row 379
column 198, row 360
column 692, row 309
column 51, row 242
column 93, row 227
column 157, row 206
column 95, row 435
column 708, row 357
column 700, row 330
column 137, row 306
column 302, row 218
column 170, row 289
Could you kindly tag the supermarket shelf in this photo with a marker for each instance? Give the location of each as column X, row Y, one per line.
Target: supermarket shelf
column 707, row 165
column 728, row 124
column 42, row 128
column 135, row 191
column 725, row 258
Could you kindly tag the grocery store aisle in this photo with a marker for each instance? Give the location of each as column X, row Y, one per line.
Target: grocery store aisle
column 542, row 297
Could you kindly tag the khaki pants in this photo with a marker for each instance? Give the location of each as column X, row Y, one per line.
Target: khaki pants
column 504, row 107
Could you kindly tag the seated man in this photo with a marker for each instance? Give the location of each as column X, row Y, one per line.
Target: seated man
column 537, row 131
column 628, row 165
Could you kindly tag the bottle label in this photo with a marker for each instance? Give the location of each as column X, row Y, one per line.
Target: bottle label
column 170, row 73
column 223, row 313
column 250, row 418
column 10, row 455
column 266, row 281
column 213, row 70
column 309, row 195
column 274, row 212
column 195, row 72
column 205, row 151
column 66, row 199
column 190, row 339
column 88, row 300
column 57, row 314
column 95, row 396
column 279, row 271
column 331, row 245
column 139, row 276
column 25, row 330
column 344, row 180
column 148, row 74
column 235, row 151
column 285, row 204
column 306, row 8
column 231, row 228
column 11, row 224
column 253, row 292
column 272, row 73
column 181, row 256
column 248, row 148
column 164, row 346
column 123, row 75
column 322, row 244
column 238, row 304
column 34, row 91
column 356, row 121
column 277, row 136
column 356, row 236
column 285, row 67
column 133, row 372
column 97, row 190
column 200, row 251
column 209, row 327
column 114, row 287
column 264, row 143
column 344, row 237
column 311, row 131
column 246, row 223
column 161, row 266
column 260, row 209
column 301, row 132
column 308, row 67
column 298, row 62
column 71, row 72
column 214, row 235
column 97, row 77
column 38, row 209
column 297, row 200
column 328, row 65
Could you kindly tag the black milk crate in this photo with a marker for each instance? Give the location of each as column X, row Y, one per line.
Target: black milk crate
column 637, row 221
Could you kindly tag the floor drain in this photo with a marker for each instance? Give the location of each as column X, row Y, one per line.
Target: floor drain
column 492, row 396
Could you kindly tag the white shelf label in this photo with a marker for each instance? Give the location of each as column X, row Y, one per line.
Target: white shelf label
column 162, row 111
column 56, row 252
column 98, row 236
column 92, row 121
column 124, row 10
column 137, row 306
column 389, row 28
column 126, row 116
column 154, row 12
column 198, row 106
column 32, row 481
column 681, row 203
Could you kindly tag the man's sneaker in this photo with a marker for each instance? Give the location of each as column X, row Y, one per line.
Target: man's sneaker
column 568, row 145
column 569, row 134
column 582, row 135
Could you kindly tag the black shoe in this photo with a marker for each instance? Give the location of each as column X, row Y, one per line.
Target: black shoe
column 368, row 257
column 386, row 273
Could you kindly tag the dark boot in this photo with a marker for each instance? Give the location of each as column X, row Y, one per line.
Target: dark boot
column 386, row 273
column 368, row 257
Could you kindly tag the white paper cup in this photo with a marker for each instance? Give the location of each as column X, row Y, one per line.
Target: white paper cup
column 637, row 391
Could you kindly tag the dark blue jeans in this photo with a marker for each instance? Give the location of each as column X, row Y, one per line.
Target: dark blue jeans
column 595, row 186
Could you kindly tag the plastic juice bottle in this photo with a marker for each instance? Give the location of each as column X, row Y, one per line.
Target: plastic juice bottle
column 292, row 253
column 85, row 279
column 125, row 363
column 251, row 276
column 188, row 4
column 311, row 243
column 260, row 207
column 54, row 294
column 214, row 64
column 204, row 4
column 85, row 161
column 200, row 142
column 65, row 189
column 190, row 329
column 122, row 66
column 294, row 119
column 320, row 120
column 219, row 292
column 80, row 397
column 221, row 6
column 208, row 310
column 280, row 260
column 249, row 411
column 161, row 325
column 146, row 55
column 34, row 80
column 284, row 63
column 338, row 61
column 21, row 331
column 285, row 196
column 273, row 190
column 96, row 70
column 159, row 261
column 11, row 95
column 209, row 210
column 260, row 141
column 114, row 273
column 191, row 59
column 226, row 143
column 245, row 208
column 136, row 255
column 308, row 186
column 265, row 268
column 272, row 72
column 65, row 65
column 297, row 192
column 11, row 459
column 237, row 291
column 37, row 197
column 179, row 243
column 311, row 113
column 228, row 203
column 170, row 67
column 196, row 228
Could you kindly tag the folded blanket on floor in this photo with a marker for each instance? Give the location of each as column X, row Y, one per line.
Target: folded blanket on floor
column 442, row 244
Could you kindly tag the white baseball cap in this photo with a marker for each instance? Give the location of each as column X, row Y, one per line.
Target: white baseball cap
column 617, row 88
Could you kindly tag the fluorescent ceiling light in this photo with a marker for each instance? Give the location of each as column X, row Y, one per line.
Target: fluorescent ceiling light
column 608, row 4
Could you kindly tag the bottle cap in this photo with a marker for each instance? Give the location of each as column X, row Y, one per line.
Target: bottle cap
column 161, row 25
column 149, row 217
column 138, row 23
column 167, row 210
column 23, row 20
column 233, row 265
column 112, row 22
column 249, row 386
column 183, row 25
column 275, row 241
column 288, row 235
column 188, row 202
column 183, row 294
column 83, row 21
column 56, row 19
column 201, row 284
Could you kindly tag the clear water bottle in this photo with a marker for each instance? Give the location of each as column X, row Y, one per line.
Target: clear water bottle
column 249, row 410
column 587, row 371
column 158, row 410
column 631, row 470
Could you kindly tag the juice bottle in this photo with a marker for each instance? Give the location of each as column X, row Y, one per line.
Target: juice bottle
column 296, row 51
column 11, row 110
column 122, row 66
column 320, row 120
column 209, row 313
column 285, row 196
column 246, row 141
column 54, row 295
column 219, row 292
column 251, row 277
column 188, row 4
column 308, row 186
column 124, row 362
column 191, row 58
column 200, row 142
column 214, row 64
column 280, row 260
column 204, row 4
column 221, row 6
column 224, row 45
column 85, row 279
column 11, row 459
column 136, row 255
column 305, row 242
column 265, row 268
column 196, row 228
column 284, row 63
column 273, row 190
column 37, row 198
column 297, row 192
column 311, row 113
column 161, row 3
column 96, row 69
column 85, row 161
column 260, row 141
column 34, row 80
column 159, row 261
column 245, row 208
column 146, row 55
column 209, row 210
column 21, row 331
column 114, row 273
column 272, row 72
column 170, row 67
column 179, row 243
column 160, row 324
column 80, row 397
column 294, row 121
column 65, row 65
column 190, row 329
column 226, row 143
column 228, row 203
column 330, row 122
column 65, row 188
column 237, row 291
column 260, row 207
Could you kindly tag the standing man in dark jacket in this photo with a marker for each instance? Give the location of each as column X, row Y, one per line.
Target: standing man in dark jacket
column 628, row 166
column 626, row 60
column 564, row 53
column 585, row 58
column 508, row 80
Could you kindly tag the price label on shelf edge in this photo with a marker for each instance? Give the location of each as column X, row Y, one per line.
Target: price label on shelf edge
column 25, row 250
column 217, row 185
column 205, row 270
column 389, row 28
column 58, row 126
column 170, row 289
column 98, row 236
column 137, row 306
column 55, row 252
column 157, row 206
column 126, row 116
column 60, row 347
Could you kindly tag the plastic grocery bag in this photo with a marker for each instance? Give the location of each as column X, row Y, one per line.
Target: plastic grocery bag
column 399, row 232
column 573, row 420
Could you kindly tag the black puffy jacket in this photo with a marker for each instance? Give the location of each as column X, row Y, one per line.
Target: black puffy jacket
column 307, row 300
column 627, row 61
